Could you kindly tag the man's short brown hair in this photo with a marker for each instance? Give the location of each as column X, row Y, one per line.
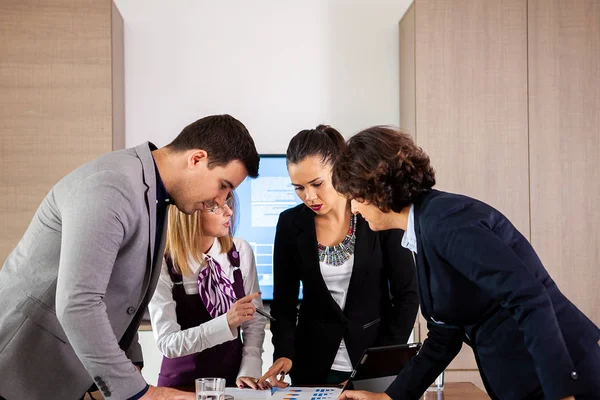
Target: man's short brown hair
column 224, row 138
column 384, row 167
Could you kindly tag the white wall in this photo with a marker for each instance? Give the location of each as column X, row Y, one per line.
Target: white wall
column 277, row 65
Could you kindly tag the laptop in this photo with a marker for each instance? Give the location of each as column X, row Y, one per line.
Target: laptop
column 378, row 366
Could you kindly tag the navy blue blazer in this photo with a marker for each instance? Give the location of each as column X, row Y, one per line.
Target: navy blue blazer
column 480, row 282
column 381, row 303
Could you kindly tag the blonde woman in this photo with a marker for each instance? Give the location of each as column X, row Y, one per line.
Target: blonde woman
column 208, row 290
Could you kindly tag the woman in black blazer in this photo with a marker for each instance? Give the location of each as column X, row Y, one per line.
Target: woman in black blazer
column 480, row 281
column 359, row 286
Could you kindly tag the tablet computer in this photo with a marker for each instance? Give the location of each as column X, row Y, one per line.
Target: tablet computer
column 378, row 366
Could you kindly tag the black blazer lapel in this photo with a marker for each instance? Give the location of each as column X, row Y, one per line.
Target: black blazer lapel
column 144, row 153
column 308, row 252
column 365, row 242
column 422, row 268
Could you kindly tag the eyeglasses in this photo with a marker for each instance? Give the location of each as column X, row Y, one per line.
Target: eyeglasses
column 219, row 210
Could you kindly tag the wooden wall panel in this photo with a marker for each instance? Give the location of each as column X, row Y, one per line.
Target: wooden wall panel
column 55, row 100
column 470, row 66
column 564, row 125
column 471, row 72
column 407, row 71
column 506, row 104
column 118, row 78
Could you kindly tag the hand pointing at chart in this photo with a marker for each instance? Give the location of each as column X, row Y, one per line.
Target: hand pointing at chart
column 280, row 368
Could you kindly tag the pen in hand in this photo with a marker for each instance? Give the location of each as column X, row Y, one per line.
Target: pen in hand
column 265, row 314
column 258, row 310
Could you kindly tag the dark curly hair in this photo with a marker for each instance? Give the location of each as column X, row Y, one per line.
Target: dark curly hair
column 323, row 141
column 384, row 167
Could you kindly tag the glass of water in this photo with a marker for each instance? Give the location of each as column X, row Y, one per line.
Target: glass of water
column 210, row 389
column 438, row 384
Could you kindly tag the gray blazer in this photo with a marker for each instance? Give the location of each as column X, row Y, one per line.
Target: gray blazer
column 73, row 291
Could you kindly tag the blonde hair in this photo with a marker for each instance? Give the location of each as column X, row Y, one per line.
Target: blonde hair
column 184, row 236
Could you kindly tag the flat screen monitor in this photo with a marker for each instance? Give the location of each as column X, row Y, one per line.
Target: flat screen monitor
column 260, row 201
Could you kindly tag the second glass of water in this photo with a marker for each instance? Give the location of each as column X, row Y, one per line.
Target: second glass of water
column 210, row 389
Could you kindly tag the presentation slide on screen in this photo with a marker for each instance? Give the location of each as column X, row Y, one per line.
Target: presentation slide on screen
column 261, row 200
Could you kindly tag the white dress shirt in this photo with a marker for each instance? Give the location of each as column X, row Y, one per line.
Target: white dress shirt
column 174, row 342
column 409, row 239
column 337, row 280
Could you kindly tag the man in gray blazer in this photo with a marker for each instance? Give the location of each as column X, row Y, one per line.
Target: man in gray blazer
column 73, row 291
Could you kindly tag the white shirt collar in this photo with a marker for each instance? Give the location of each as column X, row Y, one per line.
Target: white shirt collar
column 214, row 252
column 215, row 249
column 409, row 240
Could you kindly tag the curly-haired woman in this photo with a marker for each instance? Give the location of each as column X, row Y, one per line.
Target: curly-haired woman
column 480, row 281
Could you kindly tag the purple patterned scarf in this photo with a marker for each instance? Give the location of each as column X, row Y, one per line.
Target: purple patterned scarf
column 215, row 288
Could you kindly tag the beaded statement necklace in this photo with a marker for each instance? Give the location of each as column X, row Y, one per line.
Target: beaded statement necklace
column 341, row 252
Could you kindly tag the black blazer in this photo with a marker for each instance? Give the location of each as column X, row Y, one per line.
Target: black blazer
column 312, row 336
column 480, row 277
